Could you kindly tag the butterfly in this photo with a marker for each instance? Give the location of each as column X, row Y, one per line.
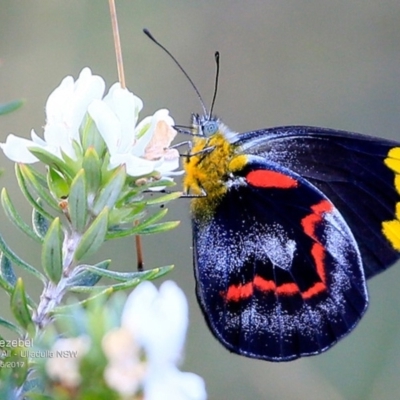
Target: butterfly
column 288, row 224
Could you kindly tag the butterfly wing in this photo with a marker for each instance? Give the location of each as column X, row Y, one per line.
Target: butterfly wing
column 358, row 173
column 279, row 273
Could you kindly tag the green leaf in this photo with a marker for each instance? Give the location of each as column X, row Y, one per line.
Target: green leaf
column 11, row 106
column 40, row 223
column 119, row 216
column 94, row 237
column 92, row 166
column 159, row 228
column 85, row 303
column 32, row 182
column 90, row 136
column 135, row 230
column 126, row 284
column 77, row 202
column 18, row 261
column 165, row 198
column 85, row 277
column 111, row 191
column 24, row 189
column 7, row 271
column 127, row 276
column 52, row 261
column 53, row 161
column 57, row 184
column 19, row 306
column 12, row 327
column 15, row 218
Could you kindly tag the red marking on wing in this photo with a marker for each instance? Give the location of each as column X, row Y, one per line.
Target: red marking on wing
column 239, row 292
column 309, row 224
column 270, row 179
column 242, row 292
column 314, row 290
column 263, row 284
column 288, row 289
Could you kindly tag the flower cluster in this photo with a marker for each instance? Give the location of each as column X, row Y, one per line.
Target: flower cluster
column 115, row 117
column 141, row 354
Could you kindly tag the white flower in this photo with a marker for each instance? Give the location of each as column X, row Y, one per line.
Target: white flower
column 132, row 145
column 157, row 322
column 125, row 371
column 65, row 110
column 65, row 369
column 142, row 148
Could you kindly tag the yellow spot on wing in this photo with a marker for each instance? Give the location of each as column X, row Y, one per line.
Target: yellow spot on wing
column 393, row 159
column 391, row 229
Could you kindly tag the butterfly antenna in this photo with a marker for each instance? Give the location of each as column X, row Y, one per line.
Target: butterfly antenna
column 150, row 36
column 216, row 56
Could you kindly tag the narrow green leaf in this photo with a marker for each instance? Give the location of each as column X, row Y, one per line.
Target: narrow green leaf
column 159, row 228
column 32, row 182
column 24, row 189
column 127, row 276
column 52, row 261
column 135, row 230
column 15, row 218
column 12, row 327
column 57, row 184
column 92, row 166
column 6, row 285
column 6, row 270
column 40, row 223
column 126, row 284
column 11, row 106
column 40, row 178
column 165, row 198
column 77, row 202
column 86, row 277
column 94, row 237
column 84, row 303
column 120, row 216
column 19, row 306
column 111, row 191
column 153, row 218
column 18, row 261
column 90, row 137
column 53, row 161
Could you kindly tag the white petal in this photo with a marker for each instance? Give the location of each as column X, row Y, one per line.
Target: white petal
column 169, row 383
column 146, row 129
column 168, row 166
column 135, row 166
column 126, row 106
column 88, row 87
column 107, row 124
column 143, row 135
column 158, row 320
column 36, row 139
column 56, row 102
column 68, row 103
column 16, row 149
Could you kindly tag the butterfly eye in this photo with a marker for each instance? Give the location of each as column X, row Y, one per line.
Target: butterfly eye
column 209, row 128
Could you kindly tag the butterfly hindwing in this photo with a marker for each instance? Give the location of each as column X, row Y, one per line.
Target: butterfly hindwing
column 358, row 173
column 279, row 273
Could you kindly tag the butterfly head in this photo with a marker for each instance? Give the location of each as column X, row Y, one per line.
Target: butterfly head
column 205, row 125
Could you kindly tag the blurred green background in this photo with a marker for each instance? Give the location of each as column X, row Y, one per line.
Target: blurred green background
column 314, row 62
